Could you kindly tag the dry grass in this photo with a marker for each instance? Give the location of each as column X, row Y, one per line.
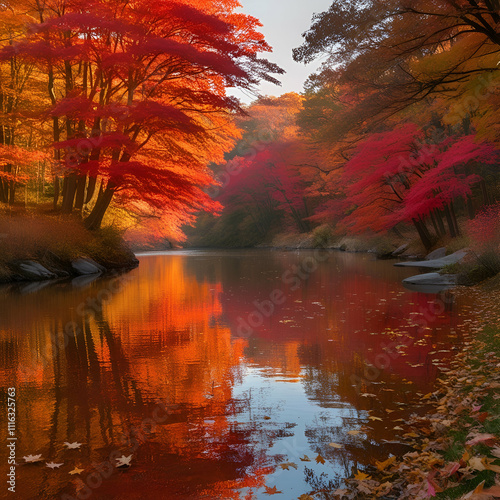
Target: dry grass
column 53, row 238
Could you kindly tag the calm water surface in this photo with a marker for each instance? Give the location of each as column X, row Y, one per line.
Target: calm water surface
column 213, row 368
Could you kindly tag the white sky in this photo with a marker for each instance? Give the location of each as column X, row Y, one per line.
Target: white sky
column 284, row 22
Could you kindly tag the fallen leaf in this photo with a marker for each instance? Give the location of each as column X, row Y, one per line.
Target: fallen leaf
column 383, row 465
column 76, row 470
column 481, row 438
column 123, row 461
column 450, row 469
column 72, row 446
column 476, row 463
column 494, row 491
column 336, row 445
column 320, row 459
column 287, row 465
column 305, row 458
column 374, row 418
column 354, row 433
column 31, row 459
column 271, row 491
column 52, row 465
column 361, row 476
column 339, row 492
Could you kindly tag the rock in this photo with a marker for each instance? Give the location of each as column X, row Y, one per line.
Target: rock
column 83, row 267
column 432, row 279
column 400, row 250
column 33, row 271
column 436, row 263
column 436, row 254
column 430, row 282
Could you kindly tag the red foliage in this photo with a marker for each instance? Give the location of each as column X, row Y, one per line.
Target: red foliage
column 395, row 176
column 484, row 229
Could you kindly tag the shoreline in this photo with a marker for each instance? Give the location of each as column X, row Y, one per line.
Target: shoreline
column 33, row 270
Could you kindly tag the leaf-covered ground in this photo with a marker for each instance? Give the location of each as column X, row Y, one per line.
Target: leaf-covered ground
column 456, row 445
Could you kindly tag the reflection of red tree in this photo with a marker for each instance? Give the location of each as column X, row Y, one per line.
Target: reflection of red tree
column 347, row 316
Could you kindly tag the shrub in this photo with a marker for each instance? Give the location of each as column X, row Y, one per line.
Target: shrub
column 322, row 236
column 484, row 231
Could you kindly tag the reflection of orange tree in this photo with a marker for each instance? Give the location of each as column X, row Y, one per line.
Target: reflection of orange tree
column 158, row 340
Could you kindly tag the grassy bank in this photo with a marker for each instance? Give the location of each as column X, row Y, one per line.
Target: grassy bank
column 456, row 444
column 55, row 242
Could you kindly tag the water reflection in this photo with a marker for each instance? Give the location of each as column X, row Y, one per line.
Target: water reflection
column 155, row 364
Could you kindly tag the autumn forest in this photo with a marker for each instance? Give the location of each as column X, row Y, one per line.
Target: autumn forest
column 211, row 291
column 112, row 111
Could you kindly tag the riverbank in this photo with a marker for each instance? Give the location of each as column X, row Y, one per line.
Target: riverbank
column 383, row 246
column 456, row 443
column 37, row 248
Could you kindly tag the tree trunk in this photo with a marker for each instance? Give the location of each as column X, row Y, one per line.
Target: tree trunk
column 449, row 220
column 454, row 218
column 440, row 222
column 94, row 220
column 81, row 184
column 91, row 189
column 56, row 191
column 423, row 233
column 470, row 208
column 434, row 224
column 484, row 192
column 69, row 193
column 12, row 192
column 3, row 199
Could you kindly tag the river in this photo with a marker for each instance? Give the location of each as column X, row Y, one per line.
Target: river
column 224, row 374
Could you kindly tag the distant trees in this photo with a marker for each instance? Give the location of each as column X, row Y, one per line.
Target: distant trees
column 403, row 110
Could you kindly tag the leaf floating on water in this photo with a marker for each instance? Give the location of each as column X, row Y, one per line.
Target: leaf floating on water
column 354, row 433
column 32, row 459
column 267, row 418
column 272, row 491
column 287, row 465
column 336, row 445
column 73, row 446
column 372, row 418
column 320, row 459
column 52, row 465
column 76, row 470
column 123, row 461
column 368, row 395
column 305, row 458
